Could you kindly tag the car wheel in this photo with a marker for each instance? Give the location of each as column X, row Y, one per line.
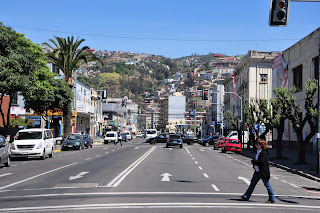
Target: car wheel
column 91, row 146
column 44, row 155
column 223, row 150
column 7, row 164
column 181, row 146
column 207, row 144
column 167, row 146
column 51, row 155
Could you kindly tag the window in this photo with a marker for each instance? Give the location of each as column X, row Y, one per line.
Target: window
column 55, row 69
column 14, row 100
column 263, row 78
column 315, row 63
column 297, row 77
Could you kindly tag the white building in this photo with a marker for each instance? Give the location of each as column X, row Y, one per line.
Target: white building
column 252, row 78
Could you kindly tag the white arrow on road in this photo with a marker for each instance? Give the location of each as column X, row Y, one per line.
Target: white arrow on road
column 246, row 180
column 166, row 177
column 80, row 175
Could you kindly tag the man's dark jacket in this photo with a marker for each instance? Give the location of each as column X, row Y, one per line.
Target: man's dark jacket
column 263, row 164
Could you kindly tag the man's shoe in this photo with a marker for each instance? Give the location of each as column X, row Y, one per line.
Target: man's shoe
column 270, row 201
column 244, row 198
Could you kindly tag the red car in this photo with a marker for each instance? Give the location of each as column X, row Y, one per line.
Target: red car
column 219, row 143
column 232, row 145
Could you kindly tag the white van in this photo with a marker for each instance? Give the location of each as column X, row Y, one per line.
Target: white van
column 234, row 135
column 111, row 137
column 128, row 134
column 151, row 133
column 33, row 143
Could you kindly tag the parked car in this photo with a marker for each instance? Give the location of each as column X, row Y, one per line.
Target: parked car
column 4, row 152
column 124, row 137
column 210, row 140
column 111, row 137
column 219, row 143
column 189, row 139
column 161, row 138
column 174, row 140
column 88, row 141
column 58, row 140
column 231, row 144
column 128, row 134
column 139, row 134
column 32, row 143
column 73, row 142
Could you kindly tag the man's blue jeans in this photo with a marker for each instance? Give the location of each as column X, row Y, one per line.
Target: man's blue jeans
column 255, row 179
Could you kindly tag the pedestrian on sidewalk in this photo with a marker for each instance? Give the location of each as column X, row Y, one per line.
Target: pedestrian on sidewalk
column 261, row 171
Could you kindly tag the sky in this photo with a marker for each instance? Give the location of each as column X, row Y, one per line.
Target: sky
column 172, row 28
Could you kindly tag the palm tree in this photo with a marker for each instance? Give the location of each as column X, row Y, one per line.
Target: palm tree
column 67, row 56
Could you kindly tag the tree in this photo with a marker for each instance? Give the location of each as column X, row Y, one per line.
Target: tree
column 20, row 61
column 298, row 120
column 16, row 122
column 68, row 56
column 230, row 119
column 281, row 109
column 48, row 95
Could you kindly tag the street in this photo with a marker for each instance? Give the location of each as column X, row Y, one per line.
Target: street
column 148, row 178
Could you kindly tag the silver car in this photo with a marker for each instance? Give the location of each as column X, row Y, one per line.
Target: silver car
column 4, row 152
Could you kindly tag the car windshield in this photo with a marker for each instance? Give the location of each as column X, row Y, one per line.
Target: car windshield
column 175, row 137
column 127, row 133
column 73, row 137
column 151, row 132
column 28, row 135
column 233, row 141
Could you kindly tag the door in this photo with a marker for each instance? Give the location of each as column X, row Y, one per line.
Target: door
column 48, row 141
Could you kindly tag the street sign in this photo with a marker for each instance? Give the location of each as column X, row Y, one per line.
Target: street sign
column 191, row 113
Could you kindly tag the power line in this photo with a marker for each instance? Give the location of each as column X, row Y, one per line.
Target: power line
column 159, row 39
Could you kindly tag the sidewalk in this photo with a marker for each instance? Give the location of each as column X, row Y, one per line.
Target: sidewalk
column 289, row 164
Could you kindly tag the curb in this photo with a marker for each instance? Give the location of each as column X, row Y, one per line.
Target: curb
column 58, row 150
column 294, row 171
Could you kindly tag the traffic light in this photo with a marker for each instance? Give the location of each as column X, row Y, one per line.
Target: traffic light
column 195, row 105
column 279, row 13
column 205, row 94
column 123, row 102
column 105, row 94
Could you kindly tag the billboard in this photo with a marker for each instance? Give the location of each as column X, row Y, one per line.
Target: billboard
column 280, row 74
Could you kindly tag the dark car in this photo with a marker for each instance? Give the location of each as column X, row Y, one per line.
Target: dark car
column 174, row 140
column 87, row 141
column 209, row 141
column 161, row 138
column 189, row 139
column 124, row 137
column 4, row 152
column 73, row 142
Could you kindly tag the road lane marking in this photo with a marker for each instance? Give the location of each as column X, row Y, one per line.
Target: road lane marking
column 170, row 148
column 193, row 158
column 30, row 178
column 201, row 150
column 246, row 180
column 112, row 150
column 274, row 177
column 187, row 150
column 80, row 175
column 14, row 165
column 200, row 167
column 293, row 185
column 24, row 162
column 88, row 158
column 196, row 162
column 166, row 177
column 215, row 188
column 136, row 148
column 106, row 148
column 205, row 174
column 168, row 206
column 98, row 156
column 116, row 181
column 3, row 175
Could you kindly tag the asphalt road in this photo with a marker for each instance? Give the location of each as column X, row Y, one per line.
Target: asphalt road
column 140, row 177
